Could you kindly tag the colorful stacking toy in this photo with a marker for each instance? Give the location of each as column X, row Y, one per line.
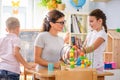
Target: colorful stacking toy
column 71, row 57
column 83, row 61
column 80, row 60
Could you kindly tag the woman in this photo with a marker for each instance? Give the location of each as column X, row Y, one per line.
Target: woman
column 48, row 44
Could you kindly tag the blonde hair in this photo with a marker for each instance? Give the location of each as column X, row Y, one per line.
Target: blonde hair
column 12, row 23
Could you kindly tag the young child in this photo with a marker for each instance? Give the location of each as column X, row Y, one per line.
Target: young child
column 96, row 40
column 10, row 52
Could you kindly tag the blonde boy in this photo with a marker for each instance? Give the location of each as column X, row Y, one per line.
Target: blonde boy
column 10, row 52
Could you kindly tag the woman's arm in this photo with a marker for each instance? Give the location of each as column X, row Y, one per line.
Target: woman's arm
column 41, row 61
column 38, row 58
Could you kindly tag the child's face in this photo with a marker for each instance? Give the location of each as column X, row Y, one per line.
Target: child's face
column 94, row 23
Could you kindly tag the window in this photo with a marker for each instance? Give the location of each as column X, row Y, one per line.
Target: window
column 29, row 13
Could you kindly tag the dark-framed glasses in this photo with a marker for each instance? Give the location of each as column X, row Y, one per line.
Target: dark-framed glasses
column 61, row 22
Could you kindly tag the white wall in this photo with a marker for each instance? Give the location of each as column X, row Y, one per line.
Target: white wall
column 40, row 12
column 112, row 11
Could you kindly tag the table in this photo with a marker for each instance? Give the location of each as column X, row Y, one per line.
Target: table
column 43, row 74
column 101, row 76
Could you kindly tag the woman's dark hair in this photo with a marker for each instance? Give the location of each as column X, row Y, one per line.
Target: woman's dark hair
column 99, row 15
column 52, row 16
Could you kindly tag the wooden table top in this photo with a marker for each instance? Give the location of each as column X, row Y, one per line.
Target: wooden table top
column 44, row 73
column 105, row 74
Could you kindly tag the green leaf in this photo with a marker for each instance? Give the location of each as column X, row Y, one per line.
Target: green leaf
column 43, row 3
column 58, row 1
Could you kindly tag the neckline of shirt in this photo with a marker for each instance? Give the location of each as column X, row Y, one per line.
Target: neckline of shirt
column 52, row 35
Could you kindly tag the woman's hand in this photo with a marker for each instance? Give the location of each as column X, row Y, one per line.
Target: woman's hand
column 57, row 64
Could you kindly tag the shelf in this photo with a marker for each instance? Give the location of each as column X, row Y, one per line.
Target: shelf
column 100, row 0
column 112, row 53
column 78, row 28
column 78, row 33
column 81, row 36
column 78, row 23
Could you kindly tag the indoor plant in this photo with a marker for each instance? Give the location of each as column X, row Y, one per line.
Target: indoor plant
column 43, row 3
column 52, row 4
column 60, row 5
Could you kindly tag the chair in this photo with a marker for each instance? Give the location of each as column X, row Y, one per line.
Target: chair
column 26, row 73
column 79, row 74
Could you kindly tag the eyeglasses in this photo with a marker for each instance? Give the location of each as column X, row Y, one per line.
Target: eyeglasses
column 62, row 22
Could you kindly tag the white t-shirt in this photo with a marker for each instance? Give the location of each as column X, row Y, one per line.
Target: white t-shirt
column 97, row 55
column 51, row 45
column 7, row 59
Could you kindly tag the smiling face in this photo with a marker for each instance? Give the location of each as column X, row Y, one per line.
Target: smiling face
column 96, row 24
column 58, row 25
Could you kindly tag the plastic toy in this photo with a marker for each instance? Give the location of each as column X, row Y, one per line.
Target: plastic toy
column 118, row 30
column 110, row 65
column 83, row 61
column 77, row 3
column 80, row 60
column 71, row 59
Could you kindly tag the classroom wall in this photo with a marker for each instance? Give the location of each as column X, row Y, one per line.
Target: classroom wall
column 112, row 11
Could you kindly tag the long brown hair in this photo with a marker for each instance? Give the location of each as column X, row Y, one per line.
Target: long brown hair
column 52, row 16
column 100, row 15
